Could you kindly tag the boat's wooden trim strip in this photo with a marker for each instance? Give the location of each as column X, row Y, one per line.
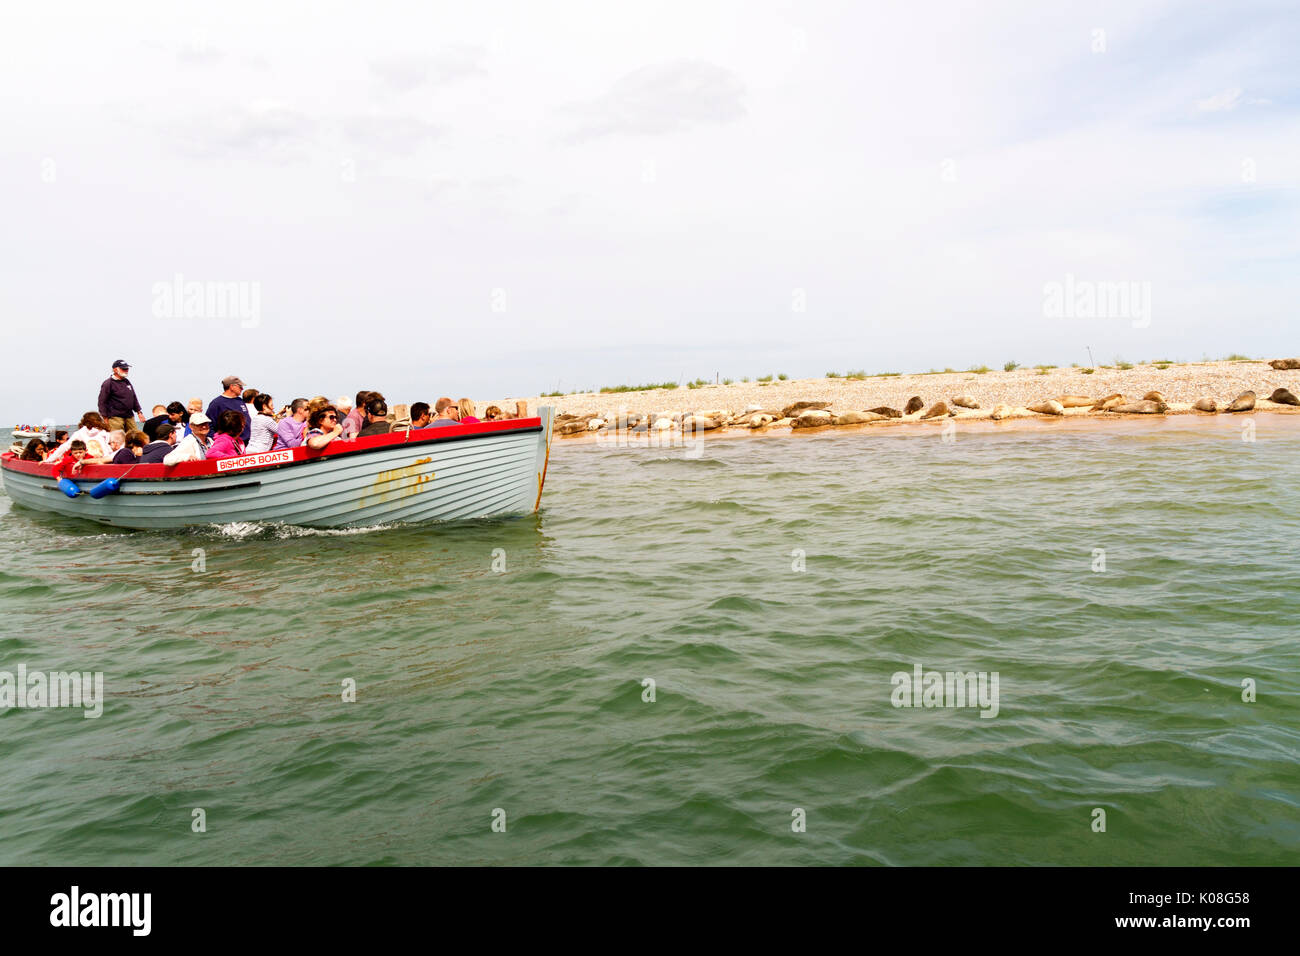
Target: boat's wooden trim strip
column 301, row 456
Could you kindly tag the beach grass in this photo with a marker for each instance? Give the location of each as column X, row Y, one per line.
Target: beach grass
column 607, row 389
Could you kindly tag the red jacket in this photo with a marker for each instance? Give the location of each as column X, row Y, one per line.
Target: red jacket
column 63, row 467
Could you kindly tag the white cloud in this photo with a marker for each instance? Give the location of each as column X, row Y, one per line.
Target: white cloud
column 395, row 134
column 1220, row 102
column 405, row 72
column 661, row 98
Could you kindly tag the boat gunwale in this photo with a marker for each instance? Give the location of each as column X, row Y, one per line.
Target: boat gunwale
column 208, row 469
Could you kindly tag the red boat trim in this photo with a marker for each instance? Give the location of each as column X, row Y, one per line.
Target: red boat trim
column 301, row 456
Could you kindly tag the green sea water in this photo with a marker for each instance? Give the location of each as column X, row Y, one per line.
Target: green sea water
column 769, row 589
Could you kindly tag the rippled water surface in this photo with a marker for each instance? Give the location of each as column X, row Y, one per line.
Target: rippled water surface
column 1118, row 689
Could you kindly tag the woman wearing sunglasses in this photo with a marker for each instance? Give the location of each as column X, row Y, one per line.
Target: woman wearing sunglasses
column 323, row 427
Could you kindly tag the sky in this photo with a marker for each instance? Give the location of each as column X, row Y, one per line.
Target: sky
column 499, row 199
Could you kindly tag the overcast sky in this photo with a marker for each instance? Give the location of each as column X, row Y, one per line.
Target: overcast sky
column 494, row 199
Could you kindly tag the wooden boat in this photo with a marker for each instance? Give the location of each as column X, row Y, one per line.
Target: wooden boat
column 430, row 474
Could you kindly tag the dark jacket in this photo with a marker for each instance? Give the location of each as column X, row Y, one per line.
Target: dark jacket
column 222, row 403
column 117, row 398
column 155, row 452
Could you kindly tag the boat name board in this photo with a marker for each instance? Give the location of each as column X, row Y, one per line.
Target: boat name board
column 248, row 461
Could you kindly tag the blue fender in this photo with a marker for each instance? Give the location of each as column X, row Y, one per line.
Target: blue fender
column 105, row 487
column 69, row 487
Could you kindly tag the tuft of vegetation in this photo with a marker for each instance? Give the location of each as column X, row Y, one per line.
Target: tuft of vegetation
column 726, row 381
column 1043, row 371
column 1010, row 366
column 948, row 371
column 608, row 389
column 782, row 376
column 1087, row 371
column 1123, row 366
column 745, row 379
column 1238, row 357
column 1044, row 368
column 832, row 374
column 980, row 369
column 856, row 374
column 764, row 379
column 555, row 394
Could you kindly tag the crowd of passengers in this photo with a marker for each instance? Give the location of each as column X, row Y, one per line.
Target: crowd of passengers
column 239, row 421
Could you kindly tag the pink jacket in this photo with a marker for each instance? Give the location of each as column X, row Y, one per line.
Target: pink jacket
column 223, row 446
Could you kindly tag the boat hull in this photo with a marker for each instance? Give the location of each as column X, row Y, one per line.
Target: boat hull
column 439, row 474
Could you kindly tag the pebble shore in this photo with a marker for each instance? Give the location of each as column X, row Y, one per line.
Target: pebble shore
column 997, row 395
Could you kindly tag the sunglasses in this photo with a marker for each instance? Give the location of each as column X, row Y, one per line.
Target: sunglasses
column 330, row 417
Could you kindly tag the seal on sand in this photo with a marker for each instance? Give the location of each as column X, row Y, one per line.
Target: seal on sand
column 1282, row 364
column 1242, row 403
column 1109, row 402
column 965, row 401
column 1206, row 405
column 793, row 411
column 1153, row 397
column 812, row 418
column 1048, row 407
column 886, row 411
column 1001, row 412
column 1144, row 407
column 937, row 410
column 858, row 418
column 1075, row 401
column 1283, row 397
column 914, row 404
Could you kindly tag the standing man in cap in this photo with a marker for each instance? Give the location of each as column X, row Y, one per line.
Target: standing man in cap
column 117, row 398
column 233, row 385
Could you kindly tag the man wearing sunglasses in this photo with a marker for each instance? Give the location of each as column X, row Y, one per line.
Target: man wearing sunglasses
column 292, row 428
column 448, row 413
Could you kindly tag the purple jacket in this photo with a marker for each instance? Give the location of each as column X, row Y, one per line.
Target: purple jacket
column 289, row 432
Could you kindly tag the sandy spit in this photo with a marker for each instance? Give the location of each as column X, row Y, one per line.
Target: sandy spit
column 1181, row 385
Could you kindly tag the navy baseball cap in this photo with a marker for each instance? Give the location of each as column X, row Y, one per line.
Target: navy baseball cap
column 122, row 363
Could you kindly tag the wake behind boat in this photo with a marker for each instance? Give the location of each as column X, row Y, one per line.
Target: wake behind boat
column 462, row 471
